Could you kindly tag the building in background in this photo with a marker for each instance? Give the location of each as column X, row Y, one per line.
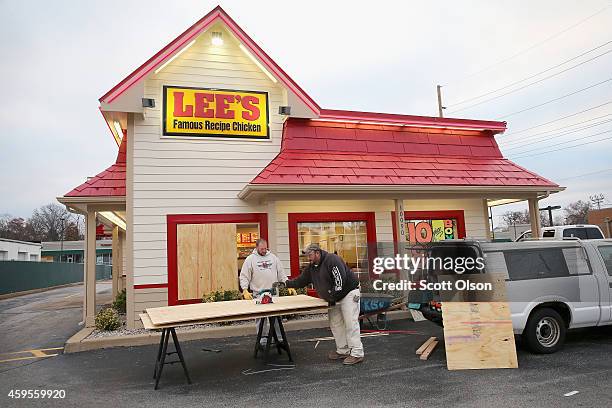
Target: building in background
column 74, row 251
column 603, row 219
column 219, row 146
column 13, row 250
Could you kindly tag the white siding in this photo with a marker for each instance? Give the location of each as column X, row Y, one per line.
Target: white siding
column 194, row 175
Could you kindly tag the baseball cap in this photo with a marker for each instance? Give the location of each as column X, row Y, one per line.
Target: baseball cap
column 311, row 248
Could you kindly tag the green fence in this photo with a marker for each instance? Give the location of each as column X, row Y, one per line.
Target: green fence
column 18, row 276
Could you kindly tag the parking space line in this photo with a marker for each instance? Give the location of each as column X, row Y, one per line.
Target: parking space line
column 35, row 353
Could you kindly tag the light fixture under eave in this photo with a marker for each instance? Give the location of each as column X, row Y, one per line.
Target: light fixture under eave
column 114, row 218
column 256, row 62
column 175, row 56
column 118, row 129
column 217, row 38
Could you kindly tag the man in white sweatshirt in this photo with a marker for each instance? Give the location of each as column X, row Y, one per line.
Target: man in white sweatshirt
column 260, row 271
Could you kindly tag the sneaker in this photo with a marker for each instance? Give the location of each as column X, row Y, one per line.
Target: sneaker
column 350, row 360
column 334, row 355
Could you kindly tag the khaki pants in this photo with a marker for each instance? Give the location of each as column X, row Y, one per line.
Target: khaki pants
column 344, row 324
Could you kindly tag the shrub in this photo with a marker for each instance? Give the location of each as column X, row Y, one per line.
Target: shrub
column 119, row 303
column 107, row 319
column 284, row 292
column 221, row 295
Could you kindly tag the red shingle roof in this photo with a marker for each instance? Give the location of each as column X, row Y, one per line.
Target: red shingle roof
column 319, row 152
column 109, row 183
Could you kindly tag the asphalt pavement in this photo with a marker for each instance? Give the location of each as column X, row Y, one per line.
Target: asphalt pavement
column 391, row 375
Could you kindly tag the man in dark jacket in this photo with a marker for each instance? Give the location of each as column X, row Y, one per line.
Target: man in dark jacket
column 335, row 282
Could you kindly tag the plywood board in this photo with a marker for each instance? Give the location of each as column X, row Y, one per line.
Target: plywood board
column 189, row 260
column 478, row 335
column 148, row 324
column 233, row 308
column 224, row 265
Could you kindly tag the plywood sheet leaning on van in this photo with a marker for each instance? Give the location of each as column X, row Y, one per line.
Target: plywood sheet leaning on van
column 478, row 335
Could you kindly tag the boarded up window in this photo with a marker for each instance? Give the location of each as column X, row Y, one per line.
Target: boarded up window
column 206, row 259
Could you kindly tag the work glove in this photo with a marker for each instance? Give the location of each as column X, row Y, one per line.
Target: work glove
column 291, row 292
column 247, row 295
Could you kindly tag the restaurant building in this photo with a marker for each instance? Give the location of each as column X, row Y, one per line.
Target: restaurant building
column 218, row 146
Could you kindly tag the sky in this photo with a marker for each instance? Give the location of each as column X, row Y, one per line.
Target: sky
column 59, row 57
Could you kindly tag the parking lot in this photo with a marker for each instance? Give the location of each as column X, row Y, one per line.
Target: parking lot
column 391, row 375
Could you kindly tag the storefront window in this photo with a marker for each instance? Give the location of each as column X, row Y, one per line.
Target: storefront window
column 348, row 239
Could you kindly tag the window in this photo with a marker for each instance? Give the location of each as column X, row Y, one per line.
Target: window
column 22, row 256
column 536, row 264
column 593, row 233
column 3, row 255
column 33, row 258
column 549, row 233
column 575, row 232
column 348, row 239
column 577, row 262
column 606, row 254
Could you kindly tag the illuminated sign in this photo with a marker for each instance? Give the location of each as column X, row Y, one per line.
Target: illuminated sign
column 215, row 113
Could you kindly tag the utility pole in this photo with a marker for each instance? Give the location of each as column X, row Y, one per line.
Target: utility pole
column 440, row 107
column 597, row 200
column 549, row 209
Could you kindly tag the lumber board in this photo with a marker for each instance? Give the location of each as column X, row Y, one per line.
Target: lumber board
column 189, row 260
column 421, row 349
column 245, row 309
column 223, row 256
column 148, row 324
column 430, row 348
column 478, row 335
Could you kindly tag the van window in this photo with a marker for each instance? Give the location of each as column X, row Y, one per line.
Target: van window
column 536, row 264
column 575, row 232
column 549, row 233
column 606, row 254
column 593, row 233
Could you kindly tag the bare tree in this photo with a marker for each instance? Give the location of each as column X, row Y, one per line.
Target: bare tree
column 577, row 212
column 511, row 218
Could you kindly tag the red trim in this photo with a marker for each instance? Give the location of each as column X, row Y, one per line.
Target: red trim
column 173, row 220
column 334, row 114
column 216, row 14
column 425, row 215
column 151, row 286
column 295, row 218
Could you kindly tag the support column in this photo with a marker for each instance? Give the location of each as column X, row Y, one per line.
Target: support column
column 485, row 208
column 89, row 272
column 117, row 261
column 400, row 233
column 120, row 278
column 534, row 217
column 129, row 221
column 272, row 238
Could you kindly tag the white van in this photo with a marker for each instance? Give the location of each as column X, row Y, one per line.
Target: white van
column 566, row 231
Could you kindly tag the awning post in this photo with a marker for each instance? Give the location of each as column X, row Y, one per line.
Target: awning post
column 89, row 273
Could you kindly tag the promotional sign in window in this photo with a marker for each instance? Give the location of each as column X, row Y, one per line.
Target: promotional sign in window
column 425, row 231
column 215, row 113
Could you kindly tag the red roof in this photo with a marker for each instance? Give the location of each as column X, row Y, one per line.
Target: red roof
column 109, row 183
column 320, row 152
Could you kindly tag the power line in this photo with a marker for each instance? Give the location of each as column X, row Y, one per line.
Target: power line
column 586, row 174
column 556, row 99
column 562, row 143
column 525, row 79
column 532, row 46
column 528, row 142
column 556, row 129
column 555, row 120
column 564, row 148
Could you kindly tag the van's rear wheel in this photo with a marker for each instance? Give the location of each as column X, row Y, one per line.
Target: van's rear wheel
column 545, row 331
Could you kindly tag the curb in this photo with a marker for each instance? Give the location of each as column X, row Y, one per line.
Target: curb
column 79, row 341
